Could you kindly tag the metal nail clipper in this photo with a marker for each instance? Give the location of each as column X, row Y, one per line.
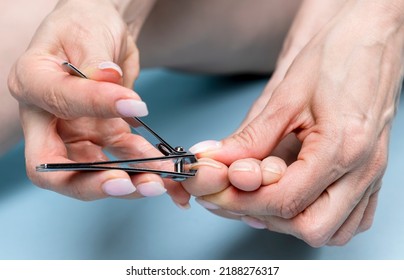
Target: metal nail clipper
column 179, row 165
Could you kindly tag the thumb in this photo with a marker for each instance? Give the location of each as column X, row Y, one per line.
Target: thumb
column 98, row 62
column 105, row 71
column 98, row 65
column 257, row 139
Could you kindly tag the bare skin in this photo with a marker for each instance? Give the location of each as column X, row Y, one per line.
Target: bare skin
column 18, row 21
column 327, row 122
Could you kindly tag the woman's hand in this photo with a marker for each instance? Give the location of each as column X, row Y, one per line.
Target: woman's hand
column 69, row 119
column 338, row 97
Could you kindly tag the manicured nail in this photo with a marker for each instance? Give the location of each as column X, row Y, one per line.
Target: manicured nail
column 185, row 206
column 253, row 222
column 207, row 204
column 205, row 146
column 151, row 189
column 110, row 65
column 131, row 108
column 118, row 187
column 242, row 166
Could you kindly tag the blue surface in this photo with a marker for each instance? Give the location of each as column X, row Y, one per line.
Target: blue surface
column 185, row 109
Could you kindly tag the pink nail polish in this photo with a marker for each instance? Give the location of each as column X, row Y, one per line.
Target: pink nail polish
column 253, row 222
column 207, row 204
column 110, row 65
column 131, row 108
column 151, row 189
column 118, row 187
column 205, row 146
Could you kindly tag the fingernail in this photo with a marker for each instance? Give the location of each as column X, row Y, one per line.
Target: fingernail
column 185, row 206
column 234, row 213
column 207, row 204
column 131, row 108
column 253, row 222
column 242, row 166
column 273, row 168
column 205, row 162
column 151, row 189
column 205, row 146
column 110, row 65
column 118, row 187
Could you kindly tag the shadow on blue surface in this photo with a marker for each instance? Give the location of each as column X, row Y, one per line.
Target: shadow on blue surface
column 266, row 245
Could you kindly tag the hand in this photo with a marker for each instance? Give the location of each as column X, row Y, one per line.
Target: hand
column 69, row 119
column 339, row 98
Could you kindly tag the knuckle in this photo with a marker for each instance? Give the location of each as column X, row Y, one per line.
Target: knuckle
column 56, row 103
column 247, row 135
column 314, row 234
column 381, row 160
column 358, row 143
column 14, row 83
column 247, row 139
column 290, row 206
column 366, row 223
column 341, row 238
column 313, row 230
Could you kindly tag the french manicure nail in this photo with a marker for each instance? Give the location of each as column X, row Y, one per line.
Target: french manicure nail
column 131, row 108
column 151, row 189
column 253, row 222
column 118, row 187
column 110, row 65
column 207, row 204
column 205, row 146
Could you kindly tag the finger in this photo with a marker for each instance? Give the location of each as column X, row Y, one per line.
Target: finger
column 101, row 55
column 262, row 101
column 260, row 136
column 350, row 227
column 272, row 169
column 319, row 222
column 130, row 146
column 360, row 219
column 211, row 177
column 130, row 65
column 107, row 71
column 101, row 132
column 370, row 211
column 223, row 213
column 43, row 145
column 245, row 174
column 85, row 151
column 146, row 184
column 289, row 196
column 68, row 96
